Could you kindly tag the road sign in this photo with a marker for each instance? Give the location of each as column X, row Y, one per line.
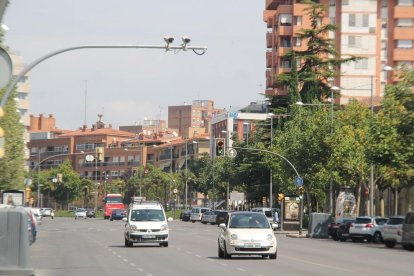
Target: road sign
column 232, row 153
column 236, row 196
column 175, row 191
column 89, row 158
column 298, row 181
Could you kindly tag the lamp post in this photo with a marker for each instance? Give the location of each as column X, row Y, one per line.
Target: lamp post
column 271, row 115
column 333, row 88
column 186, row 173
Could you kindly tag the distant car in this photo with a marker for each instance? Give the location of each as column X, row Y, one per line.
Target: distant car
column 221, row 216
column 343, row 230
column 117, row 214
column 80, row 213
column 47, row 212
column 408, row 232
column 90, row 213
column 334, row 227
column 368, row 228
column 185, row 216
column 247, row 233
column 209, row 217
column 197, row 212
column 391, row 232
column 38, row 215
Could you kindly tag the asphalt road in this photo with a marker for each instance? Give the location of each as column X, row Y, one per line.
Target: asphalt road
column 96, row 247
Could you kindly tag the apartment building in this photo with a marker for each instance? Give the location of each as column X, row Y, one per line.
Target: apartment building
column 380, row 31
column 191, row 120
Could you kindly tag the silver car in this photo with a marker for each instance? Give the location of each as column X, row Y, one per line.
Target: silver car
column 368, row 228
column 80, row 213
column 392, row 231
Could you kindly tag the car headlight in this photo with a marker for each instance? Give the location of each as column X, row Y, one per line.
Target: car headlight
column 233, row 237
column 269, row 237
column 164, row 227
column 133, row 227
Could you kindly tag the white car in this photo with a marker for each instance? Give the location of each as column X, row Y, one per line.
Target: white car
column 80, row 213
column 47, row 212
column 392, row 231
column 146, row 223
column 197, row 213
column 247, row 233
column 368, row 228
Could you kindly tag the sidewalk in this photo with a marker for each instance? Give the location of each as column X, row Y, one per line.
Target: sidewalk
column 292, row 234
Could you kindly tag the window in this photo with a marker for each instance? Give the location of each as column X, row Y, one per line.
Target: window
column 285, row 41
column 405, row 2
column 318, row 21
column 404, row 44
column 405, row 22
column 358, row 20
column 406, row 64
column 285, row 63
column 345, row 2
column 354, row 41
column 361, row 64
column 298, row 20
column 297, row 41
column 285, row 19
column 352, row 20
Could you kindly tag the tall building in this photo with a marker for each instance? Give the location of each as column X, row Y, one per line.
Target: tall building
column 379, row 31
column 192, row 119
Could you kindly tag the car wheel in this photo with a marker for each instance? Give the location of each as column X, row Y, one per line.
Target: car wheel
column 273, row 256
column 193, row 221
column 164, row 244
column 408, row 247
column 377, row 237
column 356, row 239
column 390, row 244
column 225, row 254
column 128, row 243
column 111, row 219
column 220, row 252
column 335, row 237
column 342, row 239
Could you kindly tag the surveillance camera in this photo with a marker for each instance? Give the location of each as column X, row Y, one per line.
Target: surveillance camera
column 168, row 39
column 186, row 39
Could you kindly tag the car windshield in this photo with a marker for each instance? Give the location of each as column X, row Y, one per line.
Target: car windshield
column 147, row 215
column 395, row 221
column 113, row 199
column 80, row 210
column 248, row 221
column 362, row 220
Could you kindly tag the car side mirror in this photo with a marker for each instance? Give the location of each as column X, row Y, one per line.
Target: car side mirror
column 275, row 226
column 170, row 219
column 222, row 226
column 125, row 219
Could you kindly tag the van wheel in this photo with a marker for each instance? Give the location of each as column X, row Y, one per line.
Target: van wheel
column 225, row 254
column 128, row 243
column 390, row 244
column 193, row 221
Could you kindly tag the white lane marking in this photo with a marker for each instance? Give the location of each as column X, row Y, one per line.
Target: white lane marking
column 198, row 256
column 140, row 269
column 113, row 252
column 210, row 260
column 188, row 252
column 240, row 269
column 223, row 264
column 125, row 260
column 319, row 264
column 149, row 274
column 132, row 264
column 257, row 274
column 119, row 256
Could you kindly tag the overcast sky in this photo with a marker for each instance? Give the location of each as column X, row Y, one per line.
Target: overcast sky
column 128, row 85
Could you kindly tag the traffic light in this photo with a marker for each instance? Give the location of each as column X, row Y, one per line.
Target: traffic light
column 2, row 140
column 280, row 196
column 100, row 153
column 301, row 190
column 219, row 147
column 27, row 192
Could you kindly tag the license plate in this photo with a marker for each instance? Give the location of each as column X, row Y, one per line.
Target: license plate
column 148, row 237
column 358, row 227
column 252, row 245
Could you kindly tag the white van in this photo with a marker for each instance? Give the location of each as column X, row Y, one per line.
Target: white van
column 197, row 213
column 266, row 211
column 146, row 223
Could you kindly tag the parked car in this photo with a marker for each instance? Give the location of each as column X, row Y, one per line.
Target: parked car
column 185, row 216
column 90, row 213
column 334, row 227
column 209, row 217
column 408, row 232
column 221, row 216
column 247, row 233
column 80, row 213
column 343, row 230
column 266, row 211
column 368, row 228
column 391, row 232
column 117, row 214
column 38, row 215
column 47, row 212
column 197, row 212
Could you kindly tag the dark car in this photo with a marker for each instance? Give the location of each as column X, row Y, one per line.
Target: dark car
column 343, row 230
column 408, row 232
column 117, row 214
column 221, row 216
column 334, row 227
column 90, row 213
column 185, row 216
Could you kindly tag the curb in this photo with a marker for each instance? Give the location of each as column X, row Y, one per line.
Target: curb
column 296, row 236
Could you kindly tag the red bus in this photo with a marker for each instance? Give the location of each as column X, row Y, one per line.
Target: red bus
column 112, row 201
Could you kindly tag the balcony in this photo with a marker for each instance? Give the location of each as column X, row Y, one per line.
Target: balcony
column 403, row 11
column 403, row 33
column 285, row 30
column 404, row 54
column 273, row 4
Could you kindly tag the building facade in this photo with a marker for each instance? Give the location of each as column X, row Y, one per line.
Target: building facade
column 381, row 32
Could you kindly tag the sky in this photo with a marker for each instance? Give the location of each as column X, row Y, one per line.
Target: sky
column 130, row 85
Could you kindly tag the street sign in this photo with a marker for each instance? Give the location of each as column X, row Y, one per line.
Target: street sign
column 236, row 196
column 232, row 153
column 298, row 181
column 89, row 158
column 233, row 114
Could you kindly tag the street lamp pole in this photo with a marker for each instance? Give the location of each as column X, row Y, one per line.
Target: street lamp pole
column 186, row 175
column 271, row 171
column 38, row 179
